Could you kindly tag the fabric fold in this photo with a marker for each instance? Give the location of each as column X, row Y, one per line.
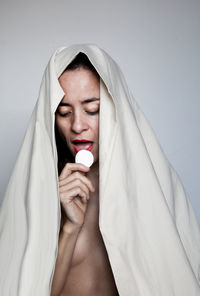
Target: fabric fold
column 145, row 217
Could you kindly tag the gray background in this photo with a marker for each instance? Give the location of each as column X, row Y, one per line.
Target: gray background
column 156, row 43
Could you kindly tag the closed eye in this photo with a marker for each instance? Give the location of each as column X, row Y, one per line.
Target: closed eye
column 65, row 114
column 93, row 113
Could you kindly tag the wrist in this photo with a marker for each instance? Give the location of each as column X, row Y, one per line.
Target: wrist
column 71, row 228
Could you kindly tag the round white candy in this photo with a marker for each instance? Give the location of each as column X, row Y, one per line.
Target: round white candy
column 85, row 157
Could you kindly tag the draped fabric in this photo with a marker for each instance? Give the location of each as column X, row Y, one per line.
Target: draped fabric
column 145, row 217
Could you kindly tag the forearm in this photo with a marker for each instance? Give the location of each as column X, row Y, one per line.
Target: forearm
column 66, row 245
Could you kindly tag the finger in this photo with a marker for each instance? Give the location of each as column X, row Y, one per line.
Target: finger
column 70, row 167
column 79, row 203
column 74, row 183
column 79, row 176
column 67, row 197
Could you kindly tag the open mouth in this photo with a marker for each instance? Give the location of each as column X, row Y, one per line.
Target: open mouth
column 79, row 145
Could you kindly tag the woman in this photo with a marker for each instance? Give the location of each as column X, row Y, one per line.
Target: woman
column 82, row 266
column 132, row 226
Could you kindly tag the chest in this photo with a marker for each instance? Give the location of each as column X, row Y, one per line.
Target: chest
column 90, row 244
column 91, row 272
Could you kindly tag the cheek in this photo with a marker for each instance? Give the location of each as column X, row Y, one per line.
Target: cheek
column 62, row 127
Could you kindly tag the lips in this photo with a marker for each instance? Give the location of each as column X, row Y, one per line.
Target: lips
column 82, row 144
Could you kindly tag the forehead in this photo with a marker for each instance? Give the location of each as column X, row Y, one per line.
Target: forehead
column 84, row 102
column 80, row 85
column 79, row 76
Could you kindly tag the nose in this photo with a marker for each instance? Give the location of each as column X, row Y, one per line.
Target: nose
column 79, row 123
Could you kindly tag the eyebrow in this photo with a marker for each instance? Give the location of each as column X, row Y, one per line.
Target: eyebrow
column 83, row 102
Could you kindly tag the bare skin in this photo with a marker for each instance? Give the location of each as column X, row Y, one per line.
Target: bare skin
column 87, row 270
column 82, row 265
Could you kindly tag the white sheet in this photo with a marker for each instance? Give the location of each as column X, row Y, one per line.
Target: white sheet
column 146, row 220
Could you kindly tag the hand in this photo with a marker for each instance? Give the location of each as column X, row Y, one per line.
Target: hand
column 74, row 191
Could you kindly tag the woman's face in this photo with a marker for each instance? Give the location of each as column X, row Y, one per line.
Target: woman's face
column 77, row 116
